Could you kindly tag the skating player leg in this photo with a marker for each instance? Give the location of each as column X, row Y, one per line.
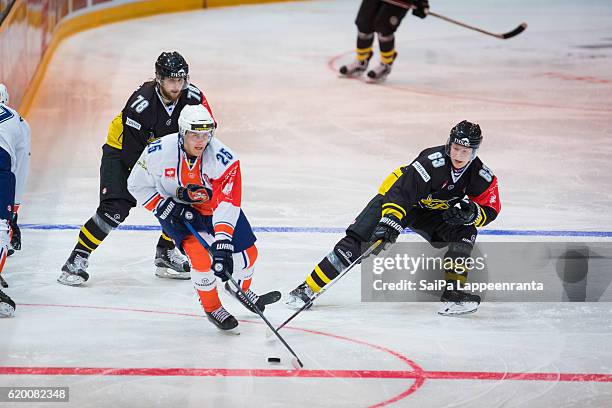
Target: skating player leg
column 7, row 306
column 205, row 283
column 365, row 38
column 345, row 252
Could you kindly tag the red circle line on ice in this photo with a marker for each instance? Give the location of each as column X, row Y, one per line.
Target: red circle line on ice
column 331, row 65
column 416, row 373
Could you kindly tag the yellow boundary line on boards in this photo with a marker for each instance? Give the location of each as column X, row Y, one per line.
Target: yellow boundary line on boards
column 121, row 12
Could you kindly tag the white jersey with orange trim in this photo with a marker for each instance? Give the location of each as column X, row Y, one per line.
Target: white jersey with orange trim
column 15, row 140
column 163, row 166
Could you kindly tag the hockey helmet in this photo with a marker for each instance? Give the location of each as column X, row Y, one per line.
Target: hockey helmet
column 466, row 134
column 171, row 65
column 196, row 118
column 4, row 95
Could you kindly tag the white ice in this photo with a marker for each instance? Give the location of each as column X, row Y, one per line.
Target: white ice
column 314, row 148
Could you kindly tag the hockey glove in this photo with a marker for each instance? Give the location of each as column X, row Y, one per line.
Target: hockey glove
column 16, row 238
column 421, row 8
column 193, row 194
column 222, row 260
column 174, row 212
column 465, row 212
column 387, row 230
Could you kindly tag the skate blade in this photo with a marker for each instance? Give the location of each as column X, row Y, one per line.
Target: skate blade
column 351, row 76
column 168, row 273
column 231, row 332
column 71, row 280
column 6, row 310
column 454, row 309
column 376, row 80
column 294, row 303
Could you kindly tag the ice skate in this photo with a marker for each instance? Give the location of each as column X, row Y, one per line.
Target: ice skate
column 457, row 302
column 354, row 69
column 171, row 264
column 259, row 301
column 74, row 271
column 222, row 319
column 7, row 306
column 300, row 296
column 379, row 73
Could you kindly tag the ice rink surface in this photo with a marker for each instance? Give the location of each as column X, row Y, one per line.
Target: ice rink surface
column 314, row 148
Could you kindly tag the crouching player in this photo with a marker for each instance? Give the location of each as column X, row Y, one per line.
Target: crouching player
column 190, row 176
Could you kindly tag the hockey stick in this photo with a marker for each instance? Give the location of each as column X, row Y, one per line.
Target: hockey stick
column 330, row 284
column 297, row 362
column 512, row 33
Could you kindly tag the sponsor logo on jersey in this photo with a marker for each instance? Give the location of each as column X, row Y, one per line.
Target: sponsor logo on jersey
column 132, row 123
column 168, row 122
column 434, row 203
column 493, row 199
column 421, row 171
column 170, row 173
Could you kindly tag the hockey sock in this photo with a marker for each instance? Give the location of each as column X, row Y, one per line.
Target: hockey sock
column 244, row 267
column 387, row 48
column 165, row 241
column 324, row 272
column 205, row 284
column 364, row 46
column 92, row 234
column 455, row 265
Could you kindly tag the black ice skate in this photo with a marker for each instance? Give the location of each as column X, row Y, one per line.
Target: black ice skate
column 457, row 302
column 7, row 306
column 355, row 68
column 171, row 264
column 74, row 271
column 300, row 296
column 380, row 73
column 259, row 301
column 222, row 319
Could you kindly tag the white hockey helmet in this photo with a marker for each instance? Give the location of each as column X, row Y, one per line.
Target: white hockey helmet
column 4, row 95
column 196, row 118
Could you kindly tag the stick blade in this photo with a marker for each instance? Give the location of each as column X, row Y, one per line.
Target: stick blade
column 515, row 32
column 297, row 363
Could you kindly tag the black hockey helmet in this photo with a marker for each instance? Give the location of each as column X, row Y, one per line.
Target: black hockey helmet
column 466, row 134
column 171, row 65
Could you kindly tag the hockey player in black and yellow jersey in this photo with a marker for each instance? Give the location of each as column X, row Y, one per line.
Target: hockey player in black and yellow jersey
column 444, row 195
column 150, row 113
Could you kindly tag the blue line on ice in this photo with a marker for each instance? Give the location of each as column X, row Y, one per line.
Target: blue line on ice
column 337, row 230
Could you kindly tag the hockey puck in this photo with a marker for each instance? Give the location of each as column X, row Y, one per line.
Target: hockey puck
column 274, row 360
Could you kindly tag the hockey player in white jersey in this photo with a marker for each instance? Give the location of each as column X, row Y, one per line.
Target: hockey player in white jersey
column 14, row 165
column 191, row 176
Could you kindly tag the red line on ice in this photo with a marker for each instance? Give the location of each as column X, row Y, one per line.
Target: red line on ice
column 417, row 373
column 303, row 373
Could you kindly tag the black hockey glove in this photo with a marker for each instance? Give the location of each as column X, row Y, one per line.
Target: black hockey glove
column 421, row 8
column 387, row 230
column 175, row 213
column 193, row 193
column 16, row 239
column 464, row 212
column 222, row 261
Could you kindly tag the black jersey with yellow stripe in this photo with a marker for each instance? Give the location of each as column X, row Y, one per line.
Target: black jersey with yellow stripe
column 145, row 118
column 431, row 183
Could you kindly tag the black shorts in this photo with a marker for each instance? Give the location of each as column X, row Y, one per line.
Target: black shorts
column 115, row 198
column 113, row 176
